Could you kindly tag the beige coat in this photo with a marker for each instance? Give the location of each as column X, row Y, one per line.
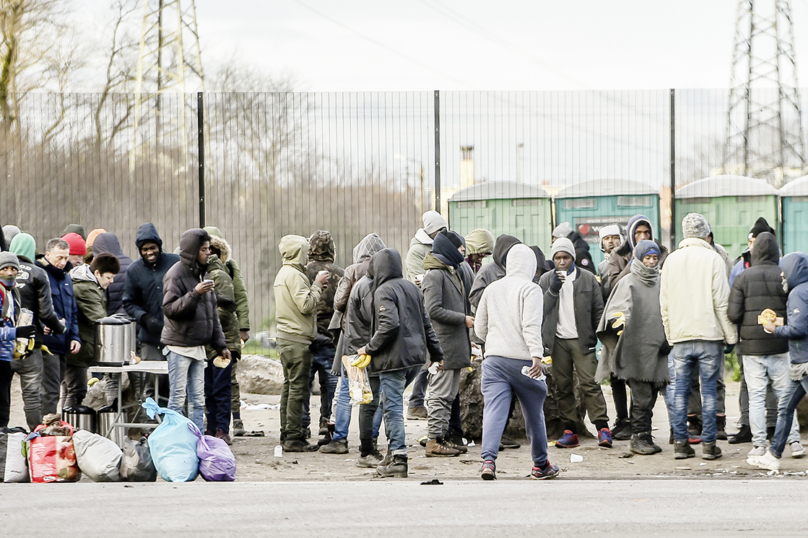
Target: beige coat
column 295, row 299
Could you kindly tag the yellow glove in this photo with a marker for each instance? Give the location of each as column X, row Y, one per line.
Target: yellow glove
column 618, row 320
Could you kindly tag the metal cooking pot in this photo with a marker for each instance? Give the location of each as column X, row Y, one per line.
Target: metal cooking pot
column 80, row 417
column 115, row 339
column 106, row 416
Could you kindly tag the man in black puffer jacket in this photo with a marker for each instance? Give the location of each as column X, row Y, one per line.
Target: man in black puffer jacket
column 759, row 288
column 107, row 243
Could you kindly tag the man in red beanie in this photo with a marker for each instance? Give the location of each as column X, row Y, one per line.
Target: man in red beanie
column 78, row 248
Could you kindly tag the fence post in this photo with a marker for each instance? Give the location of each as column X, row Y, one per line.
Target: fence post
column 437, row 151
column 200, row 120
column 673, row 170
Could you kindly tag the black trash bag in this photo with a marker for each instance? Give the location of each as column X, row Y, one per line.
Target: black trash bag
column 136, row 463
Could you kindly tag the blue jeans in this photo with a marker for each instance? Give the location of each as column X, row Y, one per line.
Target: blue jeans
column 392, row 385
column 322, row 360
column 342, row 404
column 785, row 415
column 758, row 371
column 187, row 375
column 502, row 379
column 707, row 357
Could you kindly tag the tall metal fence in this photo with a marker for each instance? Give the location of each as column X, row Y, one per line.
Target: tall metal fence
column 354, row 163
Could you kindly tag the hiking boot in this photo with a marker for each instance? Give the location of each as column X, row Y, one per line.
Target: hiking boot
column 568, row 440
column 549, row 471
column 694, row 426
column 488, row 470
column 721, row 428
column 388, row 458
column 639, row 445
column 756, row 451
column 371, row 461
column 622, row 430
column 323, row 426
column 682, row 450
column 766, row 461
column 506, row 442
column 417, row 413
column 221, row 434
column 709, row 451
column 336, row 446
column 605, row 438
column 797, row 450
column 451, row 444
column 650, row 440
column 456, row 438
column 396, row 469
column 436, row 448
column 238, row 428
column 297, row 445
column 744, row 435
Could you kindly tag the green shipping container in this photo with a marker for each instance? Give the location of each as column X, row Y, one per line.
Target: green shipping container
column 591, row 205
column 795, row 215
column 731, row 205
column 504, row 207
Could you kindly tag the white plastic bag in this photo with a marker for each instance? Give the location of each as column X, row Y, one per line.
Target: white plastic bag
column 98, row 457
column 13, row 466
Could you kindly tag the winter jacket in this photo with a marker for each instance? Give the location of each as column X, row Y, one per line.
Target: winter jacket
column 239, row 288
column 694, row 294
column 795, row 268
column 358, row 316
column 420, row 246
column 190, row 319
column 509, row 316
column 92, row 306
column 143, row 291
column 64, row 305
column 756, row 289
column 446, row 303
column 362, row 252
column 8, row 322
column 321, row 253
column 34, row 288
column 401, row 329
column 493, row 271
column 618, row 265
column 296, row 298
column 108, row 243
column 225, row 298
column 588, row 303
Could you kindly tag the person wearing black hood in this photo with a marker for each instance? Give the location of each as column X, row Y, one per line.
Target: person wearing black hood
column 143, row 292
column 446, row 303
column 191, row 321
column 492, row 271
column 107, row 243
column 402, row 334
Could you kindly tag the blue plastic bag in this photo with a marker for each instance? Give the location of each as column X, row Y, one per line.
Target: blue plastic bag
column 172, row 445
column 216, row 461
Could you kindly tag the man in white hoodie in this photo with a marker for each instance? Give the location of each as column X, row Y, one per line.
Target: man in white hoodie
column 509, row 320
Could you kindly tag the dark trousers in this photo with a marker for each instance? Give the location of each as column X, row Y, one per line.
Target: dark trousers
column 643, row 399
column 620, row 398
column 5, row 392
column 455, row 422
column 217, row 397
column 296, row 362
column 322, row 362
column 53, row 372
column 419, row 389
column 569, row 353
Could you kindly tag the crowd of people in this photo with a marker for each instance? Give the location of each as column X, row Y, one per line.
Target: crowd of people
column 549, row 332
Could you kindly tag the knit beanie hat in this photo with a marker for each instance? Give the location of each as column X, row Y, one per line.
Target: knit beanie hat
column 75, row 229
column 562, row 230
column 77, row 244
column 9, row 231
column 433, row 222
column 645, row 248
column 562, row 245
column 9, row 259
column 606, row 231
column 695, row 225
column 760, row 226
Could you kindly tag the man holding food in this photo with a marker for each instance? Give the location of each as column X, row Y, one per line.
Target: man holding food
column 758, row 297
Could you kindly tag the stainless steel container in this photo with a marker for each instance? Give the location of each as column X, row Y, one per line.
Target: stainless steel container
column 114, row 341
column 106, row 416
column 81, row 418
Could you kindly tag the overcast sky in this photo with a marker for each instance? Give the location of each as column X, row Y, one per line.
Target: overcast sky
column 472, row 44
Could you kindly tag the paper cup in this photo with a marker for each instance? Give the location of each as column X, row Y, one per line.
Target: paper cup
column 575, row 458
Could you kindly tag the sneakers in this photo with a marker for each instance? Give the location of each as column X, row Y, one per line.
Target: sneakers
column 488, row 470
column 622, row 430
column 396, row 469
column 744, row 435
column 337, row 446
column 221, row 434
column 371, row 461
column 766, row 461
column 451, row 443
column 709, row 451
column 568, row 440
column 756, row 451
column 797, row 450
column 417, row 413
column 639, row 445
column 605, row 438
column 549, row 471
column 505, row 442
column 238, row 428
column 296, row 445
column 682, row 450
column 437, row 448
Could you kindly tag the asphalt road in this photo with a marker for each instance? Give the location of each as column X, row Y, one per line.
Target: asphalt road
column 515, row 507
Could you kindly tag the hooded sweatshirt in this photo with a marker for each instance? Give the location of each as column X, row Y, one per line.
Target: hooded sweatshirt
column 362, row 252
column 296, row 298
column 492, row 271
column 143, row 288
column 322, row 251
column 620, row 258
column 108, row 243
column 509, row 316
column 420, row 246
column 239, row 287
column 795, row 268
column 190, row 319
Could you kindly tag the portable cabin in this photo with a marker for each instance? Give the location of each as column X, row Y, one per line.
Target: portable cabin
column 794, row 196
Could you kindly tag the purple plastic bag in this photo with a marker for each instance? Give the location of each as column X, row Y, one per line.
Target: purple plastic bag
column 216, row 461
